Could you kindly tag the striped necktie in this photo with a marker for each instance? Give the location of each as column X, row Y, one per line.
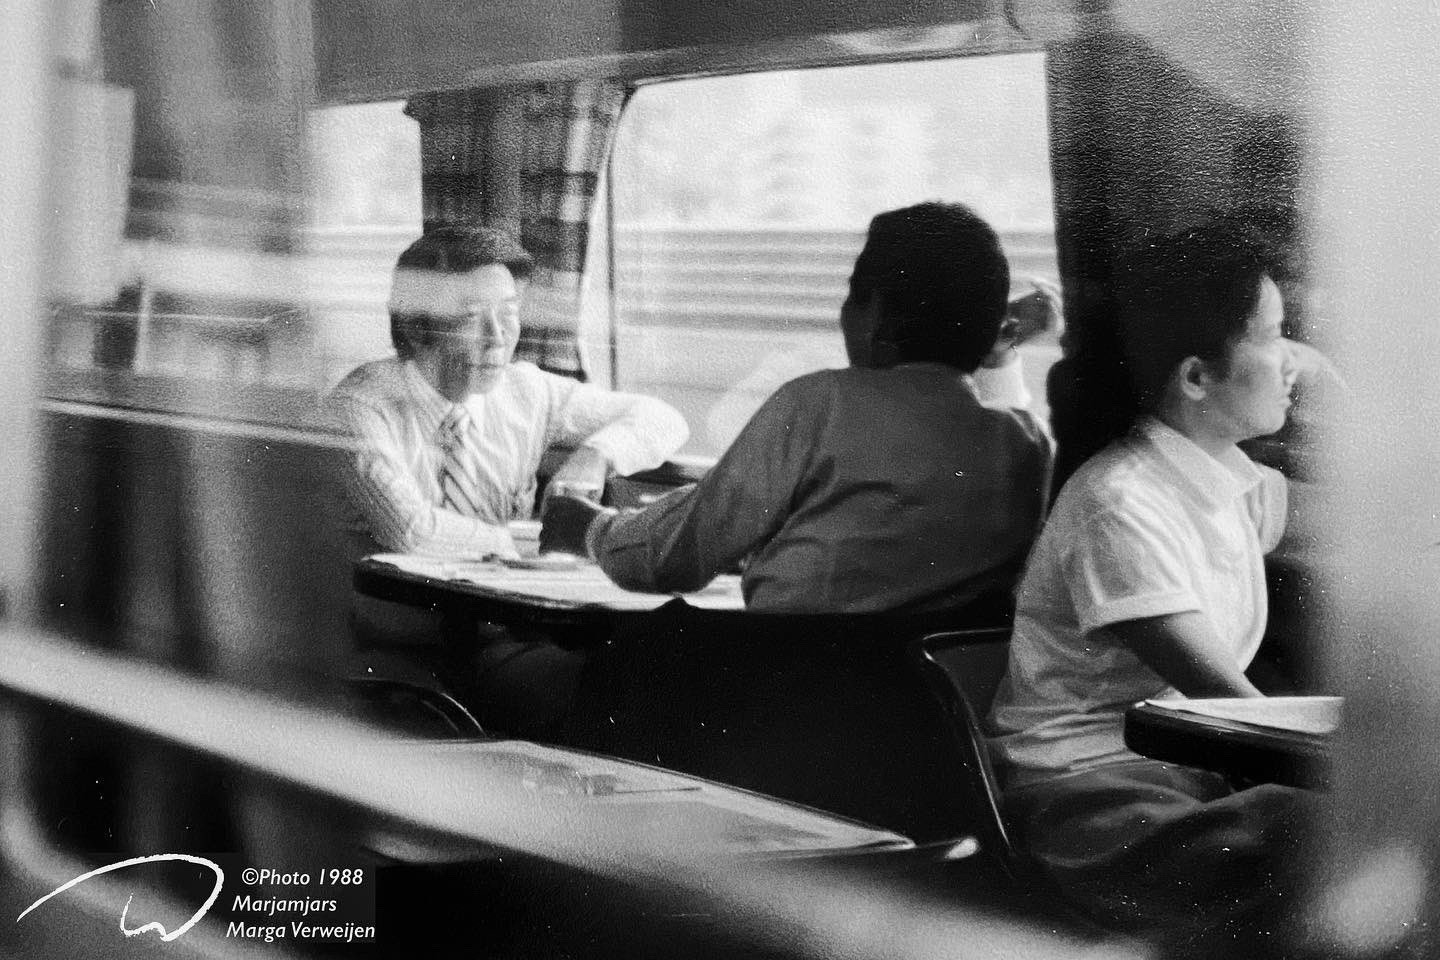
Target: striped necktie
column 459, row 477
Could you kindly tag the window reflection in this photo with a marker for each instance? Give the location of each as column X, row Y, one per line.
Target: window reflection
column 741, row 202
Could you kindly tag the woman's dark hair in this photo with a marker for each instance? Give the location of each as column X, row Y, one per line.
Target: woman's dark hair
column 943, row 282
column 449, row 250
column 1189, row 294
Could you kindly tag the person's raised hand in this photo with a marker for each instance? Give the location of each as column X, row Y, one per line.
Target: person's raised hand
column 1037, row 312
column 1026, row 317
column 1321, row 393
column 1313, row 370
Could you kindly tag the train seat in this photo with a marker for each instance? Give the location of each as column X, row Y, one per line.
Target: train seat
column 828, row 711
column 963, row 669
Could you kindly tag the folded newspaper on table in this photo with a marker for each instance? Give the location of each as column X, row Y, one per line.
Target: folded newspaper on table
column 1318, row 715
column 577, row 583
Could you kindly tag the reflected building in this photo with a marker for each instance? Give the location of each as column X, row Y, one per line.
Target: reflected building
column 837, row 166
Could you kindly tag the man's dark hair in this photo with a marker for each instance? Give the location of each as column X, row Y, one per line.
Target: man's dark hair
column 943, row 282
column 1189, row 294
column 450, row 250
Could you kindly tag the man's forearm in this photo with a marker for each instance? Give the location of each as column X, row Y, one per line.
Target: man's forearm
column 632, row 432
column 654, row 549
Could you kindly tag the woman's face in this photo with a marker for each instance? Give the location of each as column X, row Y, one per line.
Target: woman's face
column 1252, row 397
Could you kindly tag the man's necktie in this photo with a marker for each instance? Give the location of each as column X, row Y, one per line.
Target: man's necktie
column 459, row 481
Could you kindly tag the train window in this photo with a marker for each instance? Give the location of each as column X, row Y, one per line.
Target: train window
column 740, row 202
column 197, row 250
column 181, row 292
column 365, row 208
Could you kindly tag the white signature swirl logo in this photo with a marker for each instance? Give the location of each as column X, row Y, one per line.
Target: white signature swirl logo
column 153, row 925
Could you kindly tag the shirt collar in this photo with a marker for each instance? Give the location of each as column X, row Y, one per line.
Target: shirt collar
column 934, row 368
column 430, row 406
column 1215, row 481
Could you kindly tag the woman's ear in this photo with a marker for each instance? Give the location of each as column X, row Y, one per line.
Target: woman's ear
column 1193, row 377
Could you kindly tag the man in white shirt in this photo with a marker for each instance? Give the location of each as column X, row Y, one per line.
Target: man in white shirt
column 451, row 430
column 449, row 435
column 908, row 482
column 1148, row 581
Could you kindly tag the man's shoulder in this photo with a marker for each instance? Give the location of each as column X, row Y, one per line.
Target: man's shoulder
column 375, row 381
column 817, row 380
column 805, row 390
column 521, row 378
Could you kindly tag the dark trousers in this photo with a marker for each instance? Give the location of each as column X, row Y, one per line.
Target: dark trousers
column 516, row 683
column 1173, row 853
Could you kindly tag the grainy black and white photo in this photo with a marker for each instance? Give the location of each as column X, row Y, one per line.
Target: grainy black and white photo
column 734, row 479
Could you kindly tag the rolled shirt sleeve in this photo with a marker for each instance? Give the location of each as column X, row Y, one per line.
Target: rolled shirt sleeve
column 1125, row 566
column 1003, row 386
column 632, row 432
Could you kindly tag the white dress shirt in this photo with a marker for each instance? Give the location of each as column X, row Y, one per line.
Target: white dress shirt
column 395, row 416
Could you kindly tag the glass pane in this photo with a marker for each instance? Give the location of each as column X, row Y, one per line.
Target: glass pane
column 741, row 202
column 365, row 172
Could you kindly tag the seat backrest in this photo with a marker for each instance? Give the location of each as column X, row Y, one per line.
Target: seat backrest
column 964, row 669
column 828, row 711
column 413, row 709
